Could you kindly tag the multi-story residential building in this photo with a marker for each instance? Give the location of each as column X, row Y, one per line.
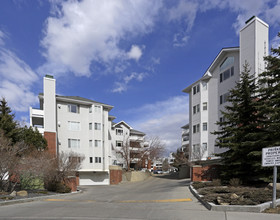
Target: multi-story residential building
column 208, row 95
column 82, row 126
column 125, row 138
column 185, row 138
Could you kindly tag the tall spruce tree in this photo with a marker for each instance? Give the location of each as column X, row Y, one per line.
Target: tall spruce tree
column 7, row 123
column 239, row 134
column 269, row 102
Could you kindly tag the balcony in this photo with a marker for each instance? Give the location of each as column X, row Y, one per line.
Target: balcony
column 36, row 113
column 37, row 119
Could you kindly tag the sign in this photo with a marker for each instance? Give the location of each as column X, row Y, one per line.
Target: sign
column 271, row 156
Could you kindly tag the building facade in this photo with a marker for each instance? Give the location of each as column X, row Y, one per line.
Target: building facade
column 73, row 124
column 208, row 95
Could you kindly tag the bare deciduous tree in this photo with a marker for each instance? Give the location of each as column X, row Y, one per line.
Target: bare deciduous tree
column 9, row 162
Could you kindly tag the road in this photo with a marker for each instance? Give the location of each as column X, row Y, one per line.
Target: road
column 159, row 197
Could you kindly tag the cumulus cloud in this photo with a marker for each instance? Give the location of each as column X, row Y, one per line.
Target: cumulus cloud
column 122, row 86
column 134, row 53
column 80, row 33
column 163, row 119
column 17, row 79
column 186, row 12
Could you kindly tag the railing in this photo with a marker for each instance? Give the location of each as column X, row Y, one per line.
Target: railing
column 37, row 112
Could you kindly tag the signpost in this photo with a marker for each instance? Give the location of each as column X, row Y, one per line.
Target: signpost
column 271, row 157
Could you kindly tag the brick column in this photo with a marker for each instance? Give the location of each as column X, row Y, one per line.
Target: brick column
column 51, row 140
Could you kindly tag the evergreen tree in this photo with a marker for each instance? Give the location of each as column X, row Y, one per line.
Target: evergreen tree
column 7, row 123
column 32, row 138
column 269, row 102
column 239, row 132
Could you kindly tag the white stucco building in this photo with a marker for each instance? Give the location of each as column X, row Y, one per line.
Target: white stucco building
column 82, row 126
column 208, row 95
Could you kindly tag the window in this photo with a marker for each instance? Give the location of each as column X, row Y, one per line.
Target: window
column 196, row 128
column 226, row 74
column 204, row 106
column 229, row 61
column 97, row 159
column 97, row 108
column 97, row 126
column 90, row 109
column 73, row 108
column 196, row 151
column 196, row 109
column 73, row 143
column 90, row 143
column 74, row 126
column 90, row 160
column 119, row 143
column 204, row 126
column 74, row 159
column 119, row 131
column 204, row 147
column 90, row 126
column 196, row 89
column 224, row 98
column 204, row 85
column 97, row 143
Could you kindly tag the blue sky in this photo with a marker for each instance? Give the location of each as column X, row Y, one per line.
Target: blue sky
column 135, row 55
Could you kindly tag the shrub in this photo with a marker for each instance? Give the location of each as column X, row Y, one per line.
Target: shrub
column 235, row 182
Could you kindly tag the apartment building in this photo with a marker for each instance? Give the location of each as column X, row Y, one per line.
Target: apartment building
column 124, row 137
column 208, row 95
column 82, row 126
column 185, row 138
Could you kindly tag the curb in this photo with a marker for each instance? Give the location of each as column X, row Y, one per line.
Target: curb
column 233, row 208
column 39, row 198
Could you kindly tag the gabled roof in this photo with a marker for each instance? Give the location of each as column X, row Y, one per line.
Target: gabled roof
column 122, row 122
column 207, row 73
column 186, row 126
column 132, row 131
column 78, row 99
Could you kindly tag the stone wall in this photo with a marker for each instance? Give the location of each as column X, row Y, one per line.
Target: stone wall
column 135, row 176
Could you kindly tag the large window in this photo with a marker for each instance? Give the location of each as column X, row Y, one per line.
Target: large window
column 97, row 159
column 224, row 98
column 227, row 69
column 74, row 126
column 90, row 126
column 97, row 126
column 73, row 143
column 73, row 108
column 229, row 61
column 90, row 160
column 90, row 143
column 226, row 74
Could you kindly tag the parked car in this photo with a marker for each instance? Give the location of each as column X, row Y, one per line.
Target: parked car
column 158, row 172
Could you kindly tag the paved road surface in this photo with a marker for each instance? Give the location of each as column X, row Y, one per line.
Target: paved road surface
column 158, row 197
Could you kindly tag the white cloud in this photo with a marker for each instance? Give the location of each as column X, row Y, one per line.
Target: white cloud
column 2, row 36
column 186, row 12
column 17, row 79
column 134, row 53
column 275, row 43
column 80, row 33
column 163, row 119
column 122, row 86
